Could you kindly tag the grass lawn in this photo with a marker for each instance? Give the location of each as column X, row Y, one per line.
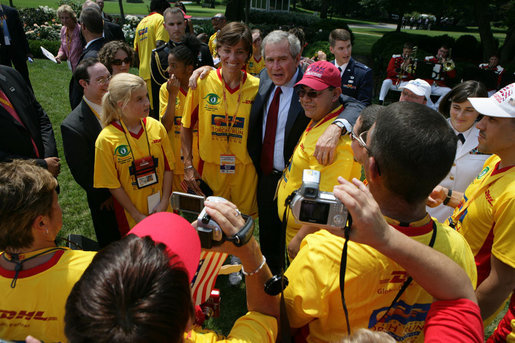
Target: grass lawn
column 112, row 7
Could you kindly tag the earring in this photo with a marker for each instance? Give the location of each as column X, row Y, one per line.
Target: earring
column 47, row 231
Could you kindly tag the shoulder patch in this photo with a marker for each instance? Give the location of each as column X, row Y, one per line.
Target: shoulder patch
column 395, row 56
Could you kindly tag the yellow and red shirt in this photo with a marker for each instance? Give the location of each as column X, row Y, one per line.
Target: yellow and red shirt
column 35, row 306
column 114, row 151
column 254, row 66
column 343, row 165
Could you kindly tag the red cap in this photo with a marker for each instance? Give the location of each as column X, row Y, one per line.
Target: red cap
column 321, row 75
column 185, row 15
column 177, row 234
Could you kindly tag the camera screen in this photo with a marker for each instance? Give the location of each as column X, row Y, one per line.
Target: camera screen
column 314, row 212
column 191, row 204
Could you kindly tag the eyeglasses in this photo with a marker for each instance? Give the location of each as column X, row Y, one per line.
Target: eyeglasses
column 103, row 80
column 360, row 139
column 118, row 62
column 311, row 94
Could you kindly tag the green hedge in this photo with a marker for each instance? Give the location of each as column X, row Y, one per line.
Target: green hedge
column 35, row 47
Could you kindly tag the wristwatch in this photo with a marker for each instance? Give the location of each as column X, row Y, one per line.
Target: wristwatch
column 341, row 125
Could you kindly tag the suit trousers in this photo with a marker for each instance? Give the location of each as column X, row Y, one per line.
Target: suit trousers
column 9, row 55
column 104, row 222
column 271, row 235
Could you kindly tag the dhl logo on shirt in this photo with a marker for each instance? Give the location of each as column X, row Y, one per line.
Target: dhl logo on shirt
column 26, row 315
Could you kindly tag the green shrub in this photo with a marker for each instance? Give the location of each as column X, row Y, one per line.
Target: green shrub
column 47, row 32
column 135, row 1
column 39, row 15
column 35, row 47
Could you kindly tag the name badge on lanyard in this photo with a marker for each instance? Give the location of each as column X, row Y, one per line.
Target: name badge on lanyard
column 227, row 164
column 145, row 171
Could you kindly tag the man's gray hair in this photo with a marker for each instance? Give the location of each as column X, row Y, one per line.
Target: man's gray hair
column 278, row 36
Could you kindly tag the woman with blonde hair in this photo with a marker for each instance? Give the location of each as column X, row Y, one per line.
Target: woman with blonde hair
column 71, row 44
column 133, row 156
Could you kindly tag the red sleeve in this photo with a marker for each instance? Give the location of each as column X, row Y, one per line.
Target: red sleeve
column 391, row 71
column 454, row 321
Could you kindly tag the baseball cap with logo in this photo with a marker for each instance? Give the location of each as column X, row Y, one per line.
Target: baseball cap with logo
column 321, row 75
column 419, row 87
column 501, row 104
column 180, row 238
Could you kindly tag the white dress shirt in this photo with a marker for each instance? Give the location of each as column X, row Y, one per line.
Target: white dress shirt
column 282, row 117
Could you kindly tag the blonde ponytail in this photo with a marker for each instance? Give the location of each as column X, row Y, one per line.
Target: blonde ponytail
column 118, row 95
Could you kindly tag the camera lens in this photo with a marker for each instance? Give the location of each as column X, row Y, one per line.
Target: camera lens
column 206, row 219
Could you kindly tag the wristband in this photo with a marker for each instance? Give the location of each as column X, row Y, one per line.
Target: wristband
column 188, row 167
column 257, row 269
column 448, row 198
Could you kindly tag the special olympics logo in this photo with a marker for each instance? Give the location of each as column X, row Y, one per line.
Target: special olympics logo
column 122, row 150
column 212, row 99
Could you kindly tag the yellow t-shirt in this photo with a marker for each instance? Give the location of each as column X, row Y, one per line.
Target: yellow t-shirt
column 175, row 133
column 253, row 327
column 372, row 281
column 254, row 66
column 488, row 222
column 149, row 30
column 212, row 44
column 113, row 160
column 206, row 105
column 35, row 306
column 343, row 165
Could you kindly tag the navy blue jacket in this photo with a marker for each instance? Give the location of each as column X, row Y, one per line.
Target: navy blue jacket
column 358, row 81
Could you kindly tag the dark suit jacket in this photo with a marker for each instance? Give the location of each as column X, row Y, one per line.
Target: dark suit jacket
column 80, row 130
column 75, row 89
column 112, row 32
column 295, row 124
column 15, row 139
column 19, row 42
column 358, row 81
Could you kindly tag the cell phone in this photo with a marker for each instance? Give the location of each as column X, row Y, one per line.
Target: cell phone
column 185, row 202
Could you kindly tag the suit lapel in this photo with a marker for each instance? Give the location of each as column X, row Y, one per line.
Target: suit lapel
column 17, row 101
column 295, row 108
column 469, row 144
column 259, row 105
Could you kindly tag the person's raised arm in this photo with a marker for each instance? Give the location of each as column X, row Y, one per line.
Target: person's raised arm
column 172, row 86
column 253, row 261
column 422, row 262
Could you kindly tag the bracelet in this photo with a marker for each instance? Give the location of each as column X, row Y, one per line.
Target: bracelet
column 448, row 198
column 188, row 167
column 257, row 269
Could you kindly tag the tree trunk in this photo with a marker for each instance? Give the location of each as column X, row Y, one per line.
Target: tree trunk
column 294, row 5
column 485, row 31
column 508, row 49
column 247, row 12
column 122, row 15
column 323, row 9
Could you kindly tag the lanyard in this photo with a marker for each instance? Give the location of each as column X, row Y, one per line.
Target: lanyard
column 127, row 138
column 229, row 126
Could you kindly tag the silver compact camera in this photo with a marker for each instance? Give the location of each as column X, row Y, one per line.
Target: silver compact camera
column 311, row 206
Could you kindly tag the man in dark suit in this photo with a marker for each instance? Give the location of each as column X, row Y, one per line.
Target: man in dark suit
column 357, row 78
column 14, row 47
column 25, row 130
column 80, row 130
column 271, row 150
column 92, row 28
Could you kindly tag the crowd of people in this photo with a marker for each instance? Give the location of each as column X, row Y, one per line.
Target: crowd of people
column 425, row 253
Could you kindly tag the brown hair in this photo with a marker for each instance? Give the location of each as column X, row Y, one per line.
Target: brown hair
column 232, row 33
column 131, row 292
column 339, row 34
column 460, row 93
column 26, row 192
column 106, row 54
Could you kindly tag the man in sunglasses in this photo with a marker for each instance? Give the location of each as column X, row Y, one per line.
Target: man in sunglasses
column 410, row 149
column 319, row 92
column 80, row 130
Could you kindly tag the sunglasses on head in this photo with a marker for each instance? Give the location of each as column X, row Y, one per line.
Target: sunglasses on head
column 118, row 62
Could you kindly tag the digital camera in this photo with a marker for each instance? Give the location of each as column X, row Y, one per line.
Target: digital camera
column 311, row 206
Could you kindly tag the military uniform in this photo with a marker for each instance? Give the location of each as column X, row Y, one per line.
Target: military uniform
column 394, row 76
column 159, row 64
column 357, row 81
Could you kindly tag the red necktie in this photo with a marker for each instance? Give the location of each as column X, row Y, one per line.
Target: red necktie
column 10, row 108
column 267, row 151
